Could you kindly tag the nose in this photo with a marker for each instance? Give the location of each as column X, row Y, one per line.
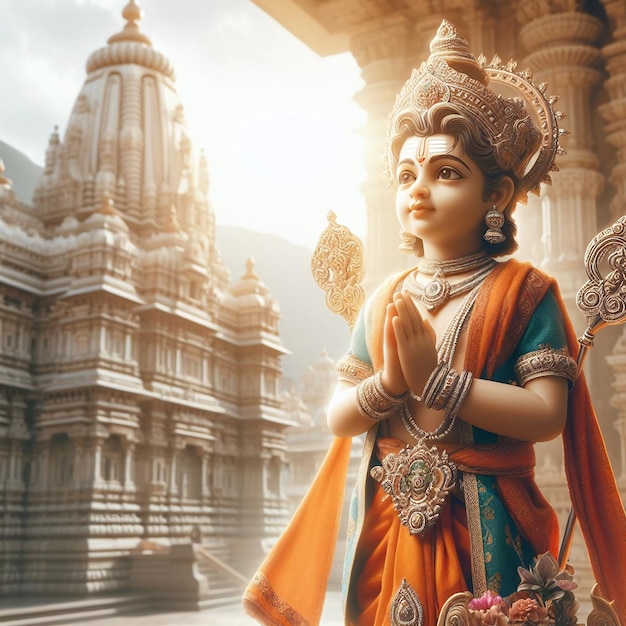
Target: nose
column 419, row 189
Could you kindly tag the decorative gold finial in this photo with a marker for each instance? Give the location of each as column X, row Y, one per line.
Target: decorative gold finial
column 250, row 273
column 337, row 266
column 132, row 13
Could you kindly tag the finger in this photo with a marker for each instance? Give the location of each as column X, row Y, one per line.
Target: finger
column 399, row 331
column 389, row 337
column 391, row 309
column 390, row 313
column 412, row 308
column 408, row 311
column 404, row 320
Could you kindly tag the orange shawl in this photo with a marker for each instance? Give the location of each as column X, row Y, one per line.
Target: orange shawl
column 290, row 585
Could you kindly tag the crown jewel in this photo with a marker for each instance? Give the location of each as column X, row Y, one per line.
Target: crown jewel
column 452, row 74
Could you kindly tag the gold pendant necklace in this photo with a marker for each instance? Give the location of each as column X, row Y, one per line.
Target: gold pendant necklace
column 438, row 290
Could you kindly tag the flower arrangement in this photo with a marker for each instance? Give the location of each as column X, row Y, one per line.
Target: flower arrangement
column 544, row 596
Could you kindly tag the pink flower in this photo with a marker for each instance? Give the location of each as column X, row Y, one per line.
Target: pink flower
column 485, row 602
column 488, row 610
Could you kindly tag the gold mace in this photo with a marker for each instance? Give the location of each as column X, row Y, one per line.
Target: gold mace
column 602, row 299
column 338, row 268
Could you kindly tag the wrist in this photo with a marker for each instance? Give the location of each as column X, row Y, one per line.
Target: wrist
column 374, row 400
column 391, row 388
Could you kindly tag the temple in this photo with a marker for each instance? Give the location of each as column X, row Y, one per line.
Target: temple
column 140, row 405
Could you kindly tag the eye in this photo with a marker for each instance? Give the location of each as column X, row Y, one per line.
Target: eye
column 405, row 177
column 448, row 173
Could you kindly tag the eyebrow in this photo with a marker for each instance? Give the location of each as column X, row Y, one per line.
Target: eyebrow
column 438, row 157
column 435, row 158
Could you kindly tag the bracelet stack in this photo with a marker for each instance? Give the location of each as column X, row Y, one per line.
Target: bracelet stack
column 446, row 389
column 374, row 401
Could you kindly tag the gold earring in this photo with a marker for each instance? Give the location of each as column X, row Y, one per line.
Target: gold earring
column 408, row 242
column 495, row 221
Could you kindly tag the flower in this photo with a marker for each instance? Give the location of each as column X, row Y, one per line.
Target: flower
column 485, row 602
column 545, row 580
column 528, row 611
column 493, row 616
column 488, row 610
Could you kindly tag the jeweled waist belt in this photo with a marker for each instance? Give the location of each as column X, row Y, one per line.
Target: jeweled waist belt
column 419, row 478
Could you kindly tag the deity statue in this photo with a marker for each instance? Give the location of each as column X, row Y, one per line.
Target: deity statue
column 456, row 367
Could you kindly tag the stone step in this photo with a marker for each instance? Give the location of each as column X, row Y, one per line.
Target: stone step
column 223, row 589
column 50, row 612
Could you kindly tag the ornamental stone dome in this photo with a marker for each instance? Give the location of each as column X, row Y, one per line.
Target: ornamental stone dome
column 126, row 138
column 252, row 293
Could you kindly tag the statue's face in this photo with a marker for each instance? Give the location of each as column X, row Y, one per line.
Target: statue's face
column 439, row 198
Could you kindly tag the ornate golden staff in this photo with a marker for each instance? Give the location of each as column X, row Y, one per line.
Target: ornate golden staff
column 603, row 302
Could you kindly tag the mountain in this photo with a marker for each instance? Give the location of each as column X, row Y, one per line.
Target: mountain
column 22, row 172
column 307, row 327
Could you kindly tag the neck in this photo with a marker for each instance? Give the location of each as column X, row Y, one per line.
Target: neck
column 437, row 254
column 468, row 263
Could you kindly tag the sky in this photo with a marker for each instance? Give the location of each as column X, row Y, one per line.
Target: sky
column 278, row 123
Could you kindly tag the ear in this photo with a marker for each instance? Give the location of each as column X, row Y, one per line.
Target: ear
column 503, row 194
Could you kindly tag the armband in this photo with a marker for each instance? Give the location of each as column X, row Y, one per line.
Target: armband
column 546, row 362
column 352, row 369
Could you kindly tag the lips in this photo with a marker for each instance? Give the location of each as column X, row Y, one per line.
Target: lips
column 418, row 208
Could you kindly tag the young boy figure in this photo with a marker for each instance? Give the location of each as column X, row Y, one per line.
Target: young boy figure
column 456, row 367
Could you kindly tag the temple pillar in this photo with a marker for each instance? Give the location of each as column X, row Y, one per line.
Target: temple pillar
column 563, row 54
column 43, row 448
column 614, row 111
column 96, row 455
column 173, row 488
column 79, row 477
column 129, row 450
column 205, row 465
column 386, row 52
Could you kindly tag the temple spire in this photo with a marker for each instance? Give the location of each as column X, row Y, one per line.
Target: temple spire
column 132, row 13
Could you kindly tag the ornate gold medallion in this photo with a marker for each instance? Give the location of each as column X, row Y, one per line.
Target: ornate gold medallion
column 418, row 479
column 406, row 608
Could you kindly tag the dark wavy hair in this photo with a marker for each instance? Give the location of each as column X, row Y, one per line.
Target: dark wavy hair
column 444, row 118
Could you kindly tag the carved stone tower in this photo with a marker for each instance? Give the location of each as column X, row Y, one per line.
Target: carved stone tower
column 138, row 388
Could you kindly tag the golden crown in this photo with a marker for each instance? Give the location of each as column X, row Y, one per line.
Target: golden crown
column 452, row 74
